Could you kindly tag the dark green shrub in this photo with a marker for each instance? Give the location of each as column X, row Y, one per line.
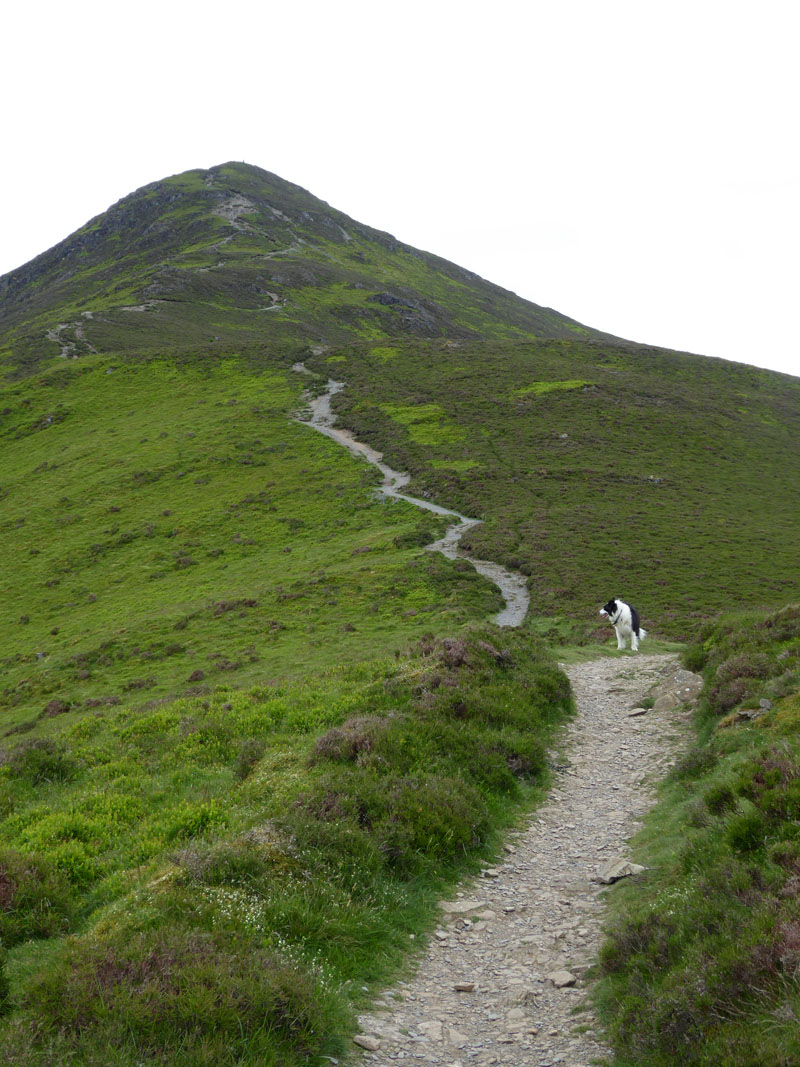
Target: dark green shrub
column 351, row 741
column 728, row 694
column 414, row 822
column 263, row 854
column 39, row 761
column 744, row 665
column 250, row 752
column 182, row 996
column 694, row 764
column 746, row 831
column 695, row 658
column 719, row 798
column 36, row 899
column 646, row 944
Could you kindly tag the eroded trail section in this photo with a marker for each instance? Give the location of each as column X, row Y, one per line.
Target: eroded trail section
column 504, row 972
column 512, row 586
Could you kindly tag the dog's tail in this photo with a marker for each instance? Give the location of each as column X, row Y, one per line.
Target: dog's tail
column 642, row 633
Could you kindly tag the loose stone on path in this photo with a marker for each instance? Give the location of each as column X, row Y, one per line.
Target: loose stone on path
column 504, row 972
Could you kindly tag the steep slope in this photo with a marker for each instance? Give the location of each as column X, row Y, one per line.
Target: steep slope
column 234, row 255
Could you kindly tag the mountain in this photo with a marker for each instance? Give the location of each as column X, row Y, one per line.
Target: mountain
column 234, row 255
column 250, row 729
column 600, row 467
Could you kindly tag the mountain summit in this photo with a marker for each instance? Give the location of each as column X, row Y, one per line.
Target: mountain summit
column 237, row 254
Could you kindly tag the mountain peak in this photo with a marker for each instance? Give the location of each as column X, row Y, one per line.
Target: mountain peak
column 235, row 254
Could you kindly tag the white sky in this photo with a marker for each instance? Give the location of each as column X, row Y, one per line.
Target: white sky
column 633, row 164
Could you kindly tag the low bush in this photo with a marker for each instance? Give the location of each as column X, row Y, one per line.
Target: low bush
column 36, row 899
column 39, row 761
column 207, row 997
column 250, row 752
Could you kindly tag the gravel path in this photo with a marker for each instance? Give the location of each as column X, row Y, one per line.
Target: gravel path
column 505, row 937
column 512, row 585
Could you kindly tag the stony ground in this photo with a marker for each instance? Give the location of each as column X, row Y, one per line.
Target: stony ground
column 502, row 981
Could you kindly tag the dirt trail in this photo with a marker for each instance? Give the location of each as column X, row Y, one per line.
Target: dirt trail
column 502, row 981
column 505, row 938
column 513, row 586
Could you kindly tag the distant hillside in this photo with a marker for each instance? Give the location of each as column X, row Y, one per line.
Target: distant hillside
column 236, row 255
column 668, row 478
column 600, row 467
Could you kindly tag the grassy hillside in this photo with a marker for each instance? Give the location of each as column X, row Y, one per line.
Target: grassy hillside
column 702, row 964
column 672, row 479
column 600, row 470
column 212, row 881
column 170, row 528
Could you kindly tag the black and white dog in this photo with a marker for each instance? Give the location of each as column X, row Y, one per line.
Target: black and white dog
column 625, row 620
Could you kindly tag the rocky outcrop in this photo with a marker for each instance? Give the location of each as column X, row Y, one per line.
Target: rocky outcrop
column 679, row 687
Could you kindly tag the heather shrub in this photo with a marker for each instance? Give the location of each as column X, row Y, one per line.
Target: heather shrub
column 40, row 760
column 414, row 822
column 36, row 899
column 180, row 995
column 351, row 741
column 250, row 752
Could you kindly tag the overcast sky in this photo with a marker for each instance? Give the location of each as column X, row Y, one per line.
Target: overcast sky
column 634, row 165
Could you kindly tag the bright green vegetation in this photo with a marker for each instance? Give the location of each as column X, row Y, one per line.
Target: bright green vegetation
column 215, row 878
column 425, row 423
column 171, row 529
column 542, row 388
column 702, row 962
column 666, row 478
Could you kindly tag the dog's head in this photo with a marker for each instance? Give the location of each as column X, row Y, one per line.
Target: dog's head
column 609, row 609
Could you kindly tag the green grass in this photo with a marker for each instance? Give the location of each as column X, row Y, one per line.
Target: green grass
column 702, row 961
column 171, row 527
column 218, row 877
column 543, row 388
column 622, row 471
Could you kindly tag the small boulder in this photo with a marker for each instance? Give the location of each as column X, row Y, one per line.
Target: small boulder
column 617, row 868
column 367, row 1041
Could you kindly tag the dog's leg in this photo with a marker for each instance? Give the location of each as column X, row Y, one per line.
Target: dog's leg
column 634, row 643
column 620, row 641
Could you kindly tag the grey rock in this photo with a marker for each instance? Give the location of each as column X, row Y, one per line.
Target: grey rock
column 617, row 868
column 462, row 907
column 367, row 1041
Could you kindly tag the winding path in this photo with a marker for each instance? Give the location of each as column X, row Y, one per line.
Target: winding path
column 487, row 990
column 501, row 983
column 512, row 585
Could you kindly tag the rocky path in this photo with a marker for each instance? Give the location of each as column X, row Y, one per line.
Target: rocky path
column 503, row 977
column 512, row 585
